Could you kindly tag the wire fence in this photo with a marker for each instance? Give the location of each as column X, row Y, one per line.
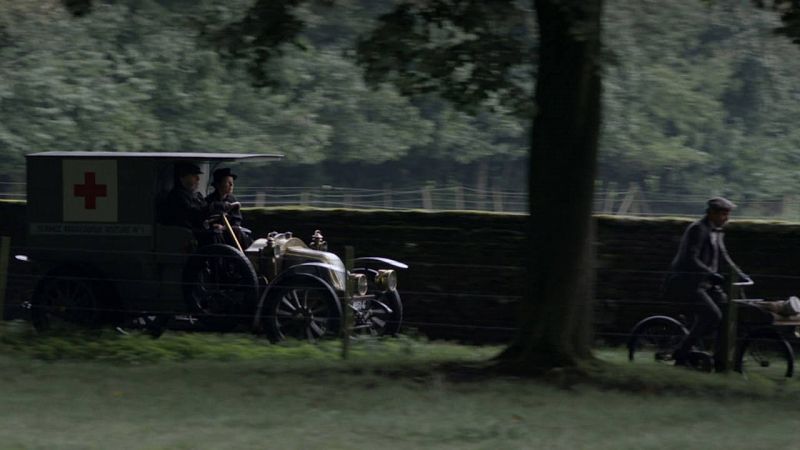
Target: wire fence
column 631, row 201
column 461, row 323
column 424, row 197
column 181, row 320
column 12, row 190
column 483, row 313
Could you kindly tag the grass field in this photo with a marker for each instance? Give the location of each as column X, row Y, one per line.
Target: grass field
column 218, row 392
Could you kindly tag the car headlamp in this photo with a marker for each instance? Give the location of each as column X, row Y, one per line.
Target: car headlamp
column 358, row 283
column 386, row 280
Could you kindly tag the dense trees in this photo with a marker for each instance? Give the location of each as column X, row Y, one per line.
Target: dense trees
column 157, row 76
column 699, row 97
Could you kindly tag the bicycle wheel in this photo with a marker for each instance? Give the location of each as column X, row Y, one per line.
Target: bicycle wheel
column 765, row 353
column 654, row 339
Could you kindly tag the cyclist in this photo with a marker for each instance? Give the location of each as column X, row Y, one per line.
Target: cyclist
column 695, row 272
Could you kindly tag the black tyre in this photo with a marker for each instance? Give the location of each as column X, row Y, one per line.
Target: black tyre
column 302, row 307
column 220, row 286
column 65, row 299
column 765, row 353
column 654, row 339
column 381, row 315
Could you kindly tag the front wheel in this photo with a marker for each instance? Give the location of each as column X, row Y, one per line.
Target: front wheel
column 304, row 308
column 765, row 353
column 654, row 339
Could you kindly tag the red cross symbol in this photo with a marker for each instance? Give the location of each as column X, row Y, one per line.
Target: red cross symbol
column 89, row 190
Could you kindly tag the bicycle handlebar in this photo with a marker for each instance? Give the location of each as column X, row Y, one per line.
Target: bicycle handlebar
column 748, row 282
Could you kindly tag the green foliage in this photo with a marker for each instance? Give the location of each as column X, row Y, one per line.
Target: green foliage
column 789, row 11
column 182, row 76
column 465, row 50
column 699, row 97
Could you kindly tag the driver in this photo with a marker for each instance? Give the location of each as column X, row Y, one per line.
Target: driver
column 695, row 272
column 186, row 207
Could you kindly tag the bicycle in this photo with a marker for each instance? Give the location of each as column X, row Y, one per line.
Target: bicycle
column 760, row 346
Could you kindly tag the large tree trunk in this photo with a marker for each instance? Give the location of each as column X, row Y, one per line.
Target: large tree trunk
column 555, row 321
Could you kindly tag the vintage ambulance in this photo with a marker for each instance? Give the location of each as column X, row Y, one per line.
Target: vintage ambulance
column 102, row 255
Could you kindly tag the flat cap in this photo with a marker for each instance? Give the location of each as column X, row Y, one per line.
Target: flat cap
column 721, row 203
column 185, row 168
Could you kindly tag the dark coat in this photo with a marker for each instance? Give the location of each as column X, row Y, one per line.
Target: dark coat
column 185, row 208
column 217, row 204
column 695, row 261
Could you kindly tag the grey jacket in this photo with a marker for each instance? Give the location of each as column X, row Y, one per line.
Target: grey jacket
column 700, row 255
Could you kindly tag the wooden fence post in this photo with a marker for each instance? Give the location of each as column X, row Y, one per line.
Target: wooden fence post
column 497, row 201
column 789, row 208
column 627, row 202
column 5, row 250
column 347, row 317
column 481, row 186
column 459, row 194
column 726, row 345
column 427, row 201
column 260, row 199
column 608, row 202
column 387, row 196
column 634, row 201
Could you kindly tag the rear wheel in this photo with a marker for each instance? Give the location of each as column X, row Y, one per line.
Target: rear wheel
column 765, row 353
column 380, row 315
column 654, row 339
column 67, row 298
column 220, row 286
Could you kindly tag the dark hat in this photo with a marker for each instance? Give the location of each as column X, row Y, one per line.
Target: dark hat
column 720, row 203
column 219, row 174
column 184, row 168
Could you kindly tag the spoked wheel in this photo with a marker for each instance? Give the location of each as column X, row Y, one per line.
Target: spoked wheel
column 654, row 339
column 65, row 299
column 304, row 308
column 765, row 353
column 378, row 315
column 220, row 286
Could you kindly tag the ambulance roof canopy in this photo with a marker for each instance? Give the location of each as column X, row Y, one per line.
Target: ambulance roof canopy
column 158, row 155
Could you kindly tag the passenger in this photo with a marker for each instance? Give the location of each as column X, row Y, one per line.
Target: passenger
column 223, row 200
column 695, row 272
